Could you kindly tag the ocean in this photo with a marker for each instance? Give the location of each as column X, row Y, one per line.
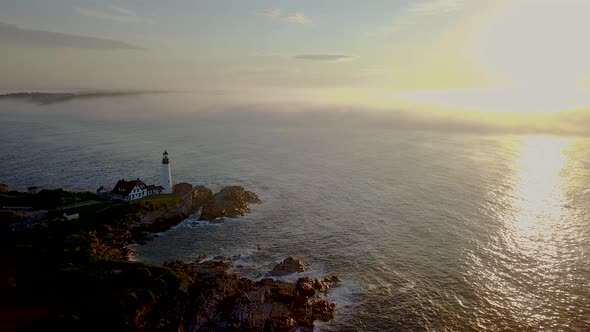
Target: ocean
column 429, row 230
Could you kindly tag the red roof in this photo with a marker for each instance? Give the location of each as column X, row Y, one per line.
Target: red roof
column 124, row 188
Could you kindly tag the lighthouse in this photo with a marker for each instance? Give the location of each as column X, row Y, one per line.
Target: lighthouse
column 166, row 175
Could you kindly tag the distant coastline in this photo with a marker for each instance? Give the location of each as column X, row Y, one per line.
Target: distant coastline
column 46, row 98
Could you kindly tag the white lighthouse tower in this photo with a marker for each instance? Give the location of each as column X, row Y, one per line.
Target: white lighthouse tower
column 166, row 175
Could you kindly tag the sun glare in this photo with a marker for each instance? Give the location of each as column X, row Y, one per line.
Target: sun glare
column 538, row 43
column 536, row 50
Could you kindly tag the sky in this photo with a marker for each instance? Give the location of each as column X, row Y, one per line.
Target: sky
column 506, row 56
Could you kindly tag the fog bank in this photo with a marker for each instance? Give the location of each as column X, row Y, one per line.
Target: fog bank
column 292, row 108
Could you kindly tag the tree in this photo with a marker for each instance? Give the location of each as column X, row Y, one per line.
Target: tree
column 4, row 188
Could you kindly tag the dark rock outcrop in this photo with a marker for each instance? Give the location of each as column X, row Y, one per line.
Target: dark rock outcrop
column 219, row 301
column 229, row 202
column 139, row 225
column 288, row 266
column 161, row 220
column 182, row 189
column 200, row 196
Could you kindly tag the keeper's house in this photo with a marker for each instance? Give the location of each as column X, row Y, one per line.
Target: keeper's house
column 129, row 190
column 132, row 190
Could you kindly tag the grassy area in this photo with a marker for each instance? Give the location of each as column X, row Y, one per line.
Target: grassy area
column 164, row 197
column 156, row 202
column 81, row 204
column 94, row 208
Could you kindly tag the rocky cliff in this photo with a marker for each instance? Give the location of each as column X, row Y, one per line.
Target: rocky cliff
column 230, row 202
column 137, row 222
column 214, row 300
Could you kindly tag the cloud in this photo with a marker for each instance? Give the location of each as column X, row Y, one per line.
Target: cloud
column 113, row 13
column 308, row 56
column 12, row 34
column 273, row 12
column 435, row 7
column 411, row 14
column 324, row 57
column 266, row 70
column 277, row 14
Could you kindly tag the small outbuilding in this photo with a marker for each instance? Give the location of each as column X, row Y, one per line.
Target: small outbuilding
column 103, row 193
column 154, row 190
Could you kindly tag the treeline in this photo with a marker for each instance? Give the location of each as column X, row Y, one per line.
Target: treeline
column 45, row 199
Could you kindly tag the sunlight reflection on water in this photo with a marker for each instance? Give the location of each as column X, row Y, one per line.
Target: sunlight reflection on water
column 526, row 269
column 539, row 195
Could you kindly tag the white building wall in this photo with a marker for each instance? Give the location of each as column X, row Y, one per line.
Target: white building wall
column 137, row 193
column 166, row 179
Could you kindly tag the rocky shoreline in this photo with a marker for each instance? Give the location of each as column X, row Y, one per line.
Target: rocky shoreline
column 90, row 254
column 140, row 226
column 220, row 301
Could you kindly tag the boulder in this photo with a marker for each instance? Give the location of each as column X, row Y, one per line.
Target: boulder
column 332, row 280
column 288, row 266
column 305, row 287
column 200, row 196
column 230, row 202
column 283, row 324
column 323, row 286
column 323, row 310
column 182, row 189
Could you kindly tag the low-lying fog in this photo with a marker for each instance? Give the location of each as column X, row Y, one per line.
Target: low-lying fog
column 297, row 107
